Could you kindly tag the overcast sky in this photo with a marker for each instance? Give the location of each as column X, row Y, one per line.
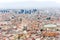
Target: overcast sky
column 16, row 4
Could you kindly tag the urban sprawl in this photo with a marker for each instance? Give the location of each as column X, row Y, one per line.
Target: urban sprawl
column 30, row 24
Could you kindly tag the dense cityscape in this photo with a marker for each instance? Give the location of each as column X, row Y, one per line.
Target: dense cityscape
column 30, row 24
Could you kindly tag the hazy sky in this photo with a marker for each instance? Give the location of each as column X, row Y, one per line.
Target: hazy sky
column 27, row 0
column 28, row 3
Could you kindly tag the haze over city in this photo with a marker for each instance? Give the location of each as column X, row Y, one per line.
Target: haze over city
column 29, row 20
column 16, row 4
